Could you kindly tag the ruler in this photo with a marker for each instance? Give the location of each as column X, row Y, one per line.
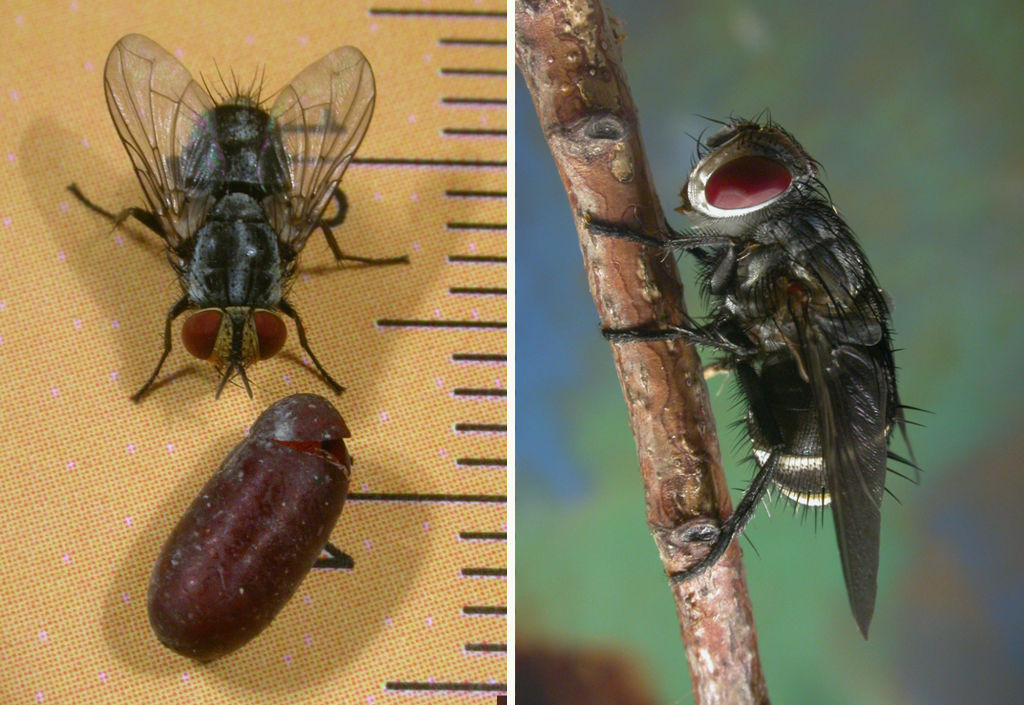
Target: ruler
column 462, row 617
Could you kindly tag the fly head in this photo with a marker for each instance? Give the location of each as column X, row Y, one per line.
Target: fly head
column 232, row 338
column 744, row 172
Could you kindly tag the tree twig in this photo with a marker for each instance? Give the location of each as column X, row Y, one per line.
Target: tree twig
column 568, row 52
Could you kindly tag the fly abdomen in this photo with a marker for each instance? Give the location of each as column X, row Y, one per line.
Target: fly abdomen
column 237, row 148
column 800, row 474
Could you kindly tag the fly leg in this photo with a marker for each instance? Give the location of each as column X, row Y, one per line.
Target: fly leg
column 286, row 309
column 150, row 220
column 176, row 310
column 690, row 331
column 338, row 219
column 675, row 239
column 338, row 559
column 762, row 481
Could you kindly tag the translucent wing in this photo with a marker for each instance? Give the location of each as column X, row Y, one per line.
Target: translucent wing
column 851, row 394
column 158, row 109
column 322, row 114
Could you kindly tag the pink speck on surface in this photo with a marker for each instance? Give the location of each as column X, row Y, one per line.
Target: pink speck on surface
column 430, row 621
column 61, row 256
column 71, row 465
column 66, row 559
column 369, row 698
column 169, row 447
column 475, row 314
column 42, row 635
column 63, row 206
column 15, row 96
column 54, row 391
column 307, row 599
column 308, row 640
column 39, row 696
column 115, row 324
column 504, row 526
column 3, row 305
column 412, row 118
column 427, row 58
column 113, row 375
column 88, row 66
column 131, row 447
column 77, row 323
column 366, row 487
column 416, row 246
column 10, row 157
column 374, row 27
column 128, row 521
column 118, row 240
column 383, row 416
column 426, row 526
column 437, row 313
column 303, row 40
column 18, row 19
column 250, row 39
column 443, row 452
column 179, row 53
column 415, row 198
column 126, row 598
column 103, row 676
column 377, row 197
column 288, row 659
column 7, row 221
column 184, row 678
column 73, row 6
column 85, row 142
column 388, row 622
column 366, row 544
column 440, row 383
column 472, row 247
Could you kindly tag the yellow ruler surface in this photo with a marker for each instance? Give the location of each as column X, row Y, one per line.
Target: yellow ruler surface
column 92, row 483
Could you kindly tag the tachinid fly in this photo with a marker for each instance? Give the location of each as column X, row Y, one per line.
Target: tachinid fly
column 798, row 317
column 235, row 189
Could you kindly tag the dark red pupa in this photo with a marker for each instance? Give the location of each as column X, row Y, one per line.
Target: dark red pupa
column 254, row 532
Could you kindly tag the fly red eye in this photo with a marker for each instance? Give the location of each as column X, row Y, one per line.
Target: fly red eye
column 746, row 182
column 271, row 333
column 199, row 333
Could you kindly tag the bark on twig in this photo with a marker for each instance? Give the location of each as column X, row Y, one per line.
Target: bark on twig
column 568, row 52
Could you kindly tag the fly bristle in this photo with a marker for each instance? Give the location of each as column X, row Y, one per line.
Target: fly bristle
column 228, row 90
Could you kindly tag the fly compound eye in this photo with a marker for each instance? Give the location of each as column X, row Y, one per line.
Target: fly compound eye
column 747, row 182
column 271, row 333
column 200, row 331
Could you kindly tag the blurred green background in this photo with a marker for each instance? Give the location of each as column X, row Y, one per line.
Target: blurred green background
column 915, row 111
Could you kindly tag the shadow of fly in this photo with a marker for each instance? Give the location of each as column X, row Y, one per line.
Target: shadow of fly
column 235, row 189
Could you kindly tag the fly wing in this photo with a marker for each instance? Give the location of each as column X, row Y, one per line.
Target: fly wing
column 322, row 114
column 158, row 109
column 850, row 389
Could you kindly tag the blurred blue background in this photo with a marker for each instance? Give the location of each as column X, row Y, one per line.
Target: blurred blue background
column 915, row 111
